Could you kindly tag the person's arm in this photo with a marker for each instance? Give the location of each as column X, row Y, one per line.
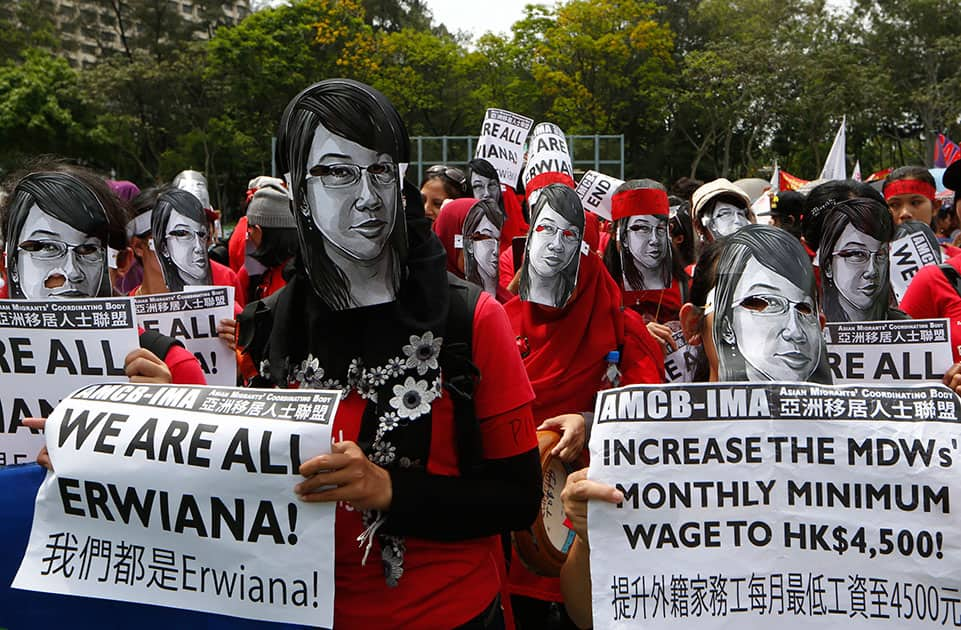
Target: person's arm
column 576, row 572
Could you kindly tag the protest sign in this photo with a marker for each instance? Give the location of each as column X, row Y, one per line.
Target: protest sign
column 595, row 190
column 191, row 317
column 908, row 254
column 50, row 348
column 889, row 351
column 680, row 365
column 776, row 505
column 183, row 496
column 547, row 152
column 501, row 143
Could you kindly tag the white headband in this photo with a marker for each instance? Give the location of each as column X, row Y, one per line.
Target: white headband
column 140, row 224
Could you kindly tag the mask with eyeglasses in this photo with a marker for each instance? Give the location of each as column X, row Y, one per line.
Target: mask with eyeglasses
column 771, row 305
column 187, row 235
column 646, row 230
column 55, row 250
column 343, row 175
column 857, row 256
column 550, row 230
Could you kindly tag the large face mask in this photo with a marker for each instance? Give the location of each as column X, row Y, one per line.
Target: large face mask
column 482, row 251
column 859, row 271
column 553, row 255
column 185, row 242
column 646, row 253
column 774, row 324
column 726, row 219
column 57, row 260
column 352, row 194
column 194, row 183
column 485, row 187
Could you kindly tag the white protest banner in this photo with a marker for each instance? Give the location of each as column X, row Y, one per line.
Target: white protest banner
column 680, row 365
column 183, row 496
column 596, row 190
column 776, row 505
column 191, row 317
column 547, row 152
column 501, row 143
column 908, row 254
column 889, row 351
column 50, row 348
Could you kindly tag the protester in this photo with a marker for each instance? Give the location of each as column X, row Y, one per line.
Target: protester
column 58, row 225
column 179, row 234
column 641, row 257
column 575, row 339
column 273, row 232
column 854, row 261
column 481, row 233
column 484, row 183
column 758, row 280
column 425, row 477
column 449, row 226
column 440, row 184
column 720, row 208
column 682, row 230
column 910, row 193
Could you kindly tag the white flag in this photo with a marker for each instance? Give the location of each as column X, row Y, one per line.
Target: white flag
column 776, row 179
column 834, row 166
column 856, row 176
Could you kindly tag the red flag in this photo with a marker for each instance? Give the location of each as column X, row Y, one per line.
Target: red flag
column 878, row 175
column 790, row 182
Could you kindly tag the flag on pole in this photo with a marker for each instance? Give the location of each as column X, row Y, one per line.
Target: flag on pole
column 945, row 151
column 879, row 175
column 834, row 165
column 790, row 182
column 776, row 178
column 856, row 175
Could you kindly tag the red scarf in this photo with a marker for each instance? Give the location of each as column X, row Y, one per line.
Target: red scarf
column 566, row 348
column 449, row 223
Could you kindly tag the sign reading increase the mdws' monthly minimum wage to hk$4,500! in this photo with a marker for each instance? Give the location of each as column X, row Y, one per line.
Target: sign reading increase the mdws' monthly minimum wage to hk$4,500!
column 776, row 505
column 184, row 497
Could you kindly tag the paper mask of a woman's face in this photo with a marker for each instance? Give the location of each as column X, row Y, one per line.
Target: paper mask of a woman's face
column 645, row 252
column 55, row 259
column 553, row 247
column 352, row 193
column 481, row 236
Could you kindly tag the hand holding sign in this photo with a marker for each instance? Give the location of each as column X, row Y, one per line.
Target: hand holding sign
column 355, row 479
column 143, row 366
column 577, row 492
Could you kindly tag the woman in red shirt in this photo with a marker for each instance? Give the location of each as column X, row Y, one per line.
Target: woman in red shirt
column 575, row 340
column 426, row 478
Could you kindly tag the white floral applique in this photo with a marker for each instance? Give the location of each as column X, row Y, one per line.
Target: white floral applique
column 412, row 399
column 384, row 453
column 395, row 367
column 309, row 375
column 265, row 368
column 387, row 423
column 422, row 352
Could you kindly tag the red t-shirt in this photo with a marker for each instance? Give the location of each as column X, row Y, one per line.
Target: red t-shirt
column 184, row 367
column 271, row 281
column 445, row 584
column 930, row 295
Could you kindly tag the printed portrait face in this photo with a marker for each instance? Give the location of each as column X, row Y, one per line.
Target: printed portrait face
column 186, row 246
column 352, row 194
column 775, row 325
column 555, row 242
column 196, row 186
column 647, row 240
column 859, row 268
column 482, row 246
column 485, row 187
column 726, row 219
column 57, row 260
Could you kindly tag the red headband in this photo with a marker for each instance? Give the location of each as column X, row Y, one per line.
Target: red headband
column 629, row 203
column 546, row 179
column 909, row 187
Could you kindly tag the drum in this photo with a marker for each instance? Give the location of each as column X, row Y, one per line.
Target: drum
column 543, row 548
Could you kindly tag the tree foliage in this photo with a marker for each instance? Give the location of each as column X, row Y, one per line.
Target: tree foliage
column 698, row 87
